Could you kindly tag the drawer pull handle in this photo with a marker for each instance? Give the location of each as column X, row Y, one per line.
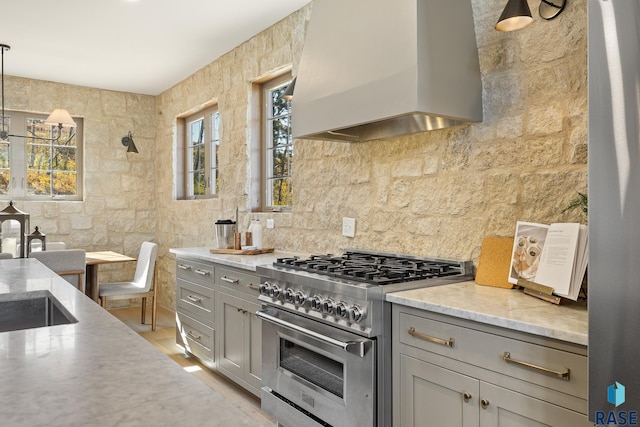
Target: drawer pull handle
column 466, row 396
column 194, row 299
column 203, row 272
column 449, row 343
column 484, row 403
column 184, row 267
column 564, row 374
column 240, row 310
column 194, row 337
column 229, row 280
column 253, row 287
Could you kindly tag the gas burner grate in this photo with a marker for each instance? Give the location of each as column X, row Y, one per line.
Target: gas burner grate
column 372, row 268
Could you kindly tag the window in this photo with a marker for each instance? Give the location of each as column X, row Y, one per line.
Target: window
column 32, row 168
column 200, row 153
column 277, row 148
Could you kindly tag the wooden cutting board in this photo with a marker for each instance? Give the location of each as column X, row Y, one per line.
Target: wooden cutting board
column 241, row 251
column 495, row 262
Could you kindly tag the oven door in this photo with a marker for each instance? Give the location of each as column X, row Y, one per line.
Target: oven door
column 316, row 374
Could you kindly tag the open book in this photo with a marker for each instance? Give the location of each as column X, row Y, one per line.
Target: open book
column 551, row 255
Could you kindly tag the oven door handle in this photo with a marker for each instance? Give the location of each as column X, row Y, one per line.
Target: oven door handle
column 359, row 348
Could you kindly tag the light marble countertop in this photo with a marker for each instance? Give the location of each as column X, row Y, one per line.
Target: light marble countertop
column 495, row 306
column 245, row 262
column 94, row 372
column 508, row 308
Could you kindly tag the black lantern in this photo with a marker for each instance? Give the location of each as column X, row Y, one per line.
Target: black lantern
column 7, row 239
column 36, row 235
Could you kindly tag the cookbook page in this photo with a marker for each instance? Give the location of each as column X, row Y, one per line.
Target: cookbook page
column 527, row 248
column 558, row 258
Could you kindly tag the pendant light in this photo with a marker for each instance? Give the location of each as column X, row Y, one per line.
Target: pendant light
column 59, row 118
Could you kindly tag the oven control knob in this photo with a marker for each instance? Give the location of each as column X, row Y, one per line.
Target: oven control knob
column 328, row 306
column 315, row 302
column 341, row 310
column 299, row 298
column 356, row 313
column 288, row 295
column 274, row 291
column 264, row 288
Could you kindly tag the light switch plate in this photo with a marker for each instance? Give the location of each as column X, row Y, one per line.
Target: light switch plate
column 270, row 223
column 349, row 227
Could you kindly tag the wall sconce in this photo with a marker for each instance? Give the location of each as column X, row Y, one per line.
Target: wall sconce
column 59, row 118
column 288, row 92
column 517, row 15
column 127, row 141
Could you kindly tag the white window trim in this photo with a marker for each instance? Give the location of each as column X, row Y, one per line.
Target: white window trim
column 264, row 200
column 18, row 159
column 183, row 178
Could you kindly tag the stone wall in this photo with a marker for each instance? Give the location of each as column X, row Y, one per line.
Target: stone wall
column 435, row 193
column 119, row 210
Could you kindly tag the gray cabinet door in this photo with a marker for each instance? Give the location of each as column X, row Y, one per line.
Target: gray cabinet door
column 435, row 396
column 232, row 337
column 253, row 373
column 240, row 345
column 506, row 408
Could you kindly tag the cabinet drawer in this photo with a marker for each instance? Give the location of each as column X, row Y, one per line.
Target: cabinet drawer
column 196, row 338
column 196, row 272
column 238, row 280
column 195, row 299
column 529, row 362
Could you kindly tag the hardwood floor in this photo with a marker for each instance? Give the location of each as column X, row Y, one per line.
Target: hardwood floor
column 164, row 339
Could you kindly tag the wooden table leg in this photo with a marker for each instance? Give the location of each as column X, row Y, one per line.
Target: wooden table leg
column 91, row 287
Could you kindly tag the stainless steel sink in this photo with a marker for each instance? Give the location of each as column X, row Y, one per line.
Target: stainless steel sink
column 32, row 310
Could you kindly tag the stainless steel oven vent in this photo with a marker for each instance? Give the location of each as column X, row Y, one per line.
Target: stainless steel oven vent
column 372, row 69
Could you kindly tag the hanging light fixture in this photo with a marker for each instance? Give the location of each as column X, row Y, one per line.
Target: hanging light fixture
column 127, row 141
column 59, row 118
column 517, row 15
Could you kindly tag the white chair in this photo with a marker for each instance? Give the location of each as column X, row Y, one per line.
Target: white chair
column 56, row 246
column 144, row 284
column 70, row 264
column 36, row 246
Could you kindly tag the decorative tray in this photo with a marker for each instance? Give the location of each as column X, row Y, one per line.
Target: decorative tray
column 241, row 251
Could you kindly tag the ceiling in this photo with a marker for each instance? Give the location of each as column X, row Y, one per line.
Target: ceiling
column 139, row 46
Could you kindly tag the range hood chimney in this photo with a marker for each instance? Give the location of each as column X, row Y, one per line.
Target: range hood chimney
column 373, row 69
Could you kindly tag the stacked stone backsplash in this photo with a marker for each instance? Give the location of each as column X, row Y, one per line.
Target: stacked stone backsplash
column 434, row 193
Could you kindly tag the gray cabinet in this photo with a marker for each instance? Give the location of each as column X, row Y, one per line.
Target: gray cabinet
column 453, row 372
column 216, row 321
column 195, row 320
column 240, row 332
column 429, row 392
column 503, row 407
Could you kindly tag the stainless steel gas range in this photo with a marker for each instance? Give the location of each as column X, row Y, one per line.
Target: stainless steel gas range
column 326, row 333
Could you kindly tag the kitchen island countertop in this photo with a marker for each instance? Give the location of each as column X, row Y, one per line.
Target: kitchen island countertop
column 245, row 262
column 96, row 371
column 507, row 308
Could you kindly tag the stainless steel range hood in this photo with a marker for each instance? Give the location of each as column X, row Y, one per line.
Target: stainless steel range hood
column 373, row 69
